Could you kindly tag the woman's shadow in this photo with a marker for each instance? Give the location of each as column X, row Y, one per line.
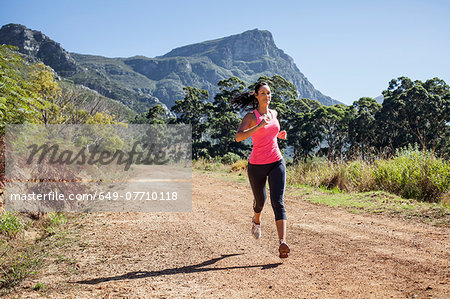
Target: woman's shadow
column 172, row 271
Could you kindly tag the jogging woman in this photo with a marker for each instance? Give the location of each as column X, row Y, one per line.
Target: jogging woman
column 266, row 161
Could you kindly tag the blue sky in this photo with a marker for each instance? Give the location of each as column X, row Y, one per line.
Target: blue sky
column 346, row 49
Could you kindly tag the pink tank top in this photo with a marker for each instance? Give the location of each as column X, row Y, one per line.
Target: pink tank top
column 265, row 144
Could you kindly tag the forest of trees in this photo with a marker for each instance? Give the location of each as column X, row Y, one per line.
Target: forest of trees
column 413, row 113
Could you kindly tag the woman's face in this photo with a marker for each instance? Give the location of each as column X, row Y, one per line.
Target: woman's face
column 264, row 95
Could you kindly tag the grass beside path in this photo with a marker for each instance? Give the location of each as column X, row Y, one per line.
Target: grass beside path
column 29, row 243
column 376, row 202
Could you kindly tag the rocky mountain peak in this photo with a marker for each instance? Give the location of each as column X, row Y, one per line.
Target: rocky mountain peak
column 28, row 41
column 246, row 46
column 37, row 45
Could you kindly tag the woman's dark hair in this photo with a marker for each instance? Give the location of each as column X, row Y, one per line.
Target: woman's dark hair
column 243, row 100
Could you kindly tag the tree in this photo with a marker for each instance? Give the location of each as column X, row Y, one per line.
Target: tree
column 19, row 97
column 362, row 126
column 303, row 133
column 282, row 91
column 154, row 115
column 194, row 110
column 333, row 126
column 48, row 91
column 225, row 121
column 415, row 113
column 77, row 104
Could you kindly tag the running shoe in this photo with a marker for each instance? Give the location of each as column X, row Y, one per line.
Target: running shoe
column 256, row 229
column 284, row 250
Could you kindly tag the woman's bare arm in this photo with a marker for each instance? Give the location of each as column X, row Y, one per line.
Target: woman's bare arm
column 248, row 126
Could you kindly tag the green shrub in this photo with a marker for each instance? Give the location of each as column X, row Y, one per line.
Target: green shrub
column 230, row 158
column 57, row 219
column 414, row 174
column 10, row 224
column 313, row 171
column 359, row 176
column 200, row 163
column 40, row 287
column 54, row 222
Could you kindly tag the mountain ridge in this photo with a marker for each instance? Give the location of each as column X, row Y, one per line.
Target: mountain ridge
column 141, row 82
column 36, row 44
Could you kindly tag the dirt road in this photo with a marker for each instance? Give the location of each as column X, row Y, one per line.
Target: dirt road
column 210, row 252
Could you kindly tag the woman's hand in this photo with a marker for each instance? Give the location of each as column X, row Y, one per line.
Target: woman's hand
column 282, row 134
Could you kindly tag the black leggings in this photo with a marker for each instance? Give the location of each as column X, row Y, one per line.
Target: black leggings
column 257, row 175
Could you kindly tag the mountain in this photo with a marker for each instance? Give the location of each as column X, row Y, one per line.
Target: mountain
column 38, row 45
column 102, row 76
column 141, row 82
column 248, row 56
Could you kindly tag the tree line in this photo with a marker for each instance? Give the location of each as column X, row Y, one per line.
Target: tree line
column 414, row 113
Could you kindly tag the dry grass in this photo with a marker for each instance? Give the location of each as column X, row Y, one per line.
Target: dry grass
column 410, row 174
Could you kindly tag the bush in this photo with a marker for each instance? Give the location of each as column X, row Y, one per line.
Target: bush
column 240, row 165
column 39, row 287
column 315, row 171
column 414, row 174
column 207, row 164
column 54, row 222
column 359, row 175
column 230, row 158
column 10, row 224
